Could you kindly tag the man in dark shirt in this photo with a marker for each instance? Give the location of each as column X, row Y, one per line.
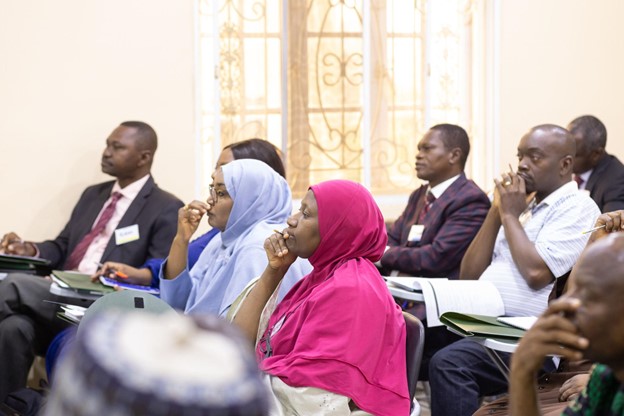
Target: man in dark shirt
column 596, row 171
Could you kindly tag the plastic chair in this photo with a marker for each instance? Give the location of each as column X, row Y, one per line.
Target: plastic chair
column 125, row 300
column 415, row 343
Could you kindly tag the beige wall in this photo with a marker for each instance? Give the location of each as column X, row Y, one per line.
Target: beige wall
column 560, row 59
column 70, row 71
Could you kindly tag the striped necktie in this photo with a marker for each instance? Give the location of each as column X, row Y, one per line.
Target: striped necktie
column 429, row 199
column 80, row 250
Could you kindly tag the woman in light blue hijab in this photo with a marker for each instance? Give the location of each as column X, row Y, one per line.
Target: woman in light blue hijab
column 248, row 200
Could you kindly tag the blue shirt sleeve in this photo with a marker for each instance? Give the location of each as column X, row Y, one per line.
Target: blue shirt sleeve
column 194, row 250
column 197, row 246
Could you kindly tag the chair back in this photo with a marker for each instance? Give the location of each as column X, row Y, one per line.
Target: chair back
column 125, row 300
column 560, row 286
column 415, row 343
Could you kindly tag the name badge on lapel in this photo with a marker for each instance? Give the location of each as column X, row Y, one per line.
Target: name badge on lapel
column 127, row 234
column 416, row 233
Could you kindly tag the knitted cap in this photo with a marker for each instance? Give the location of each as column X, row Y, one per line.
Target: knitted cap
column 144, row 364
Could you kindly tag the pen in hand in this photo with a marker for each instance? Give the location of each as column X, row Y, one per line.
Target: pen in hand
column 119, row 274
column 594, row 229
column 279, row 232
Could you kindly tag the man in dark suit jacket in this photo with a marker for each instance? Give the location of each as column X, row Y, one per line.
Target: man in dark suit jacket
column 146, row 225
column 430, row 239
column 595, row 170
column 440, row 221
column 153, row 210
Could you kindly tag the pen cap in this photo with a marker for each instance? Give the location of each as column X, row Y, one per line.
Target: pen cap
column 135, row 363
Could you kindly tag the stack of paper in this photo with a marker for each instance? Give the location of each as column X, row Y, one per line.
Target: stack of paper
column 71, row 313
column 443, row 295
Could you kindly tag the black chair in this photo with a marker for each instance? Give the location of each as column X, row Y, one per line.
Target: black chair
column 415, row 343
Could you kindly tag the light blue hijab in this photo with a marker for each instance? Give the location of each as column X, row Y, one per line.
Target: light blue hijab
column 259, row 194
column 262, row 202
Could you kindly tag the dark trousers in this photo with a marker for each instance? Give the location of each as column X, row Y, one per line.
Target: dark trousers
column 27, row 325
column 459, row 375
column 436, row 338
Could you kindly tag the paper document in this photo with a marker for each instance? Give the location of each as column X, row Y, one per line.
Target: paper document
column 522, row 322
column 408, row 283
column 444, row 295
column 73, row 313
column 69, row 312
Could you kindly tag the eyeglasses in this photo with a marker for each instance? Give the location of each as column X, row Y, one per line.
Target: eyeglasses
column 214, row 195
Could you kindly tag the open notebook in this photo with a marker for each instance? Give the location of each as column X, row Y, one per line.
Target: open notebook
column 444, row 295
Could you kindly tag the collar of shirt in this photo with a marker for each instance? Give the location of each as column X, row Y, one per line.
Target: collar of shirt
column 585, row 177
column 132, row 190
column 527, row 214
column 554, row 196
column 439, row 189
column 533, row 206
column 558, row 193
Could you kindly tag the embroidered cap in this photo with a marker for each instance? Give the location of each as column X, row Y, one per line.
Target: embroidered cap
column 144, row 364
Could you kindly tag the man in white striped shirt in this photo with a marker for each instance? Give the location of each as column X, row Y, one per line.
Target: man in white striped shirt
column 532, row 235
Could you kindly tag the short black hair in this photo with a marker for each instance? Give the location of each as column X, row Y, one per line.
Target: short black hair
column 261, row 150
column 593, row 131
column 146, row 135
column 454, row 136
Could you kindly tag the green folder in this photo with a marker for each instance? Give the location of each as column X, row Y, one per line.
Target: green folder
column 81, row 283
column 9, row 262
column 472, row 325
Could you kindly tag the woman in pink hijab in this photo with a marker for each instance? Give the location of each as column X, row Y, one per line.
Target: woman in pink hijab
column 335, row 345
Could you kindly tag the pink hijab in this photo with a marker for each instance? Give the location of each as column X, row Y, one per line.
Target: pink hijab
column 338, row 328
